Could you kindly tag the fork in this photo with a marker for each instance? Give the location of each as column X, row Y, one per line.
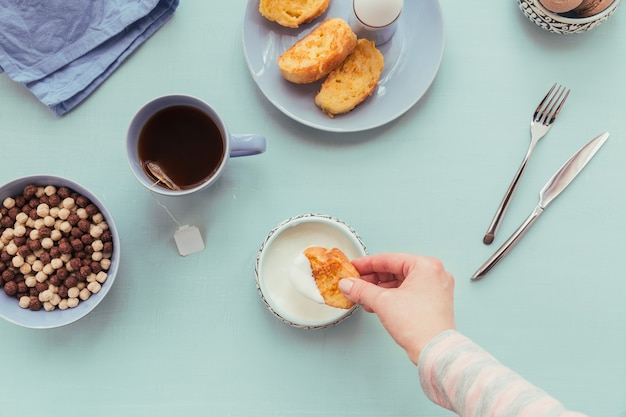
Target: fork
column 540, row 124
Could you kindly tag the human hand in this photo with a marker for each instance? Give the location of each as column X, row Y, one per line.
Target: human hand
column 413, row 296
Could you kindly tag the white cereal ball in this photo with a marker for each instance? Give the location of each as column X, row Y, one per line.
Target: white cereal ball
column 48, row 306
column 54, row 212
column 82, row 213
column 19, row 230
column 65, row 227
column 56, row 263
column 37, row 265
column 56, row 235
column 47, row 243
column 48, row 269
column 24, row 301
column 21, row 218
column 41, row 276
column 96, row 231
column 8, row 203
column 105, row 264
column 49, row 190
column 39, row 223
column 68, row 203
column 96, row 256
column 63, row 304
column 94, row 287
column 45, row 296
column 11, row 248
column 55, row 300
column 43, row 210
column 97, row 245
column 25, row 269
column 84, row 294
column 97, row 218
column 72, row 302
column 17, row 261
column 48, row 221
column 8, row 234
column 30, row 281
column 101, row 277
column 63, row 213
column 73, row 292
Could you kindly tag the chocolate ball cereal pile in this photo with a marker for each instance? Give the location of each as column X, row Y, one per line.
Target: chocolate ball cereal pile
column 55, row 248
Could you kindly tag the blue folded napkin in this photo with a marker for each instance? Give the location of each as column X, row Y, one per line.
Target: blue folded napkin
column 62, row 50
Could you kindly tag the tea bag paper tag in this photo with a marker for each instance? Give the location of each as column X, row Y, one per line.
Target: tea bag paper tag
column 188, row 240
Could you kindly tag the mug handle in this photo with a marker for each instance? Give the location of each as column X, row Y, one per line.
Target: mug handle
column 246, row 144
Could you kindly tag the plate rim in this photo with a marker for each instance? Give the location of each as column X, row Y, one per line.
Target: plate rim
column 339, row 127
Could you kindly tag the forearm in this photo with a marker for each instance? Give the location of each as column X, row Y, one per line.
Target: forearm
column 460, row 376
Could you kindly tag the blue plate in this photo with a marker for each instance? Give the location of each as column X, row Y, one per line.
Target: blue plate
column 412, row 59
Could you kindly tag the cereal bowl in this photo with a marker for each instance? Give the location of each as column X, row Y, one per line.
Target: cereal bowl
column 61, row 253
column 564, row 23
column 277, row 252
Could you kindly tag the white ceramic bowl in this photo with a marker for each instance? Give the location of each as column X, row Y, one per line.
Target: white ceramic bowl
column 9, row 307
column 278, row 251
column 561, row 24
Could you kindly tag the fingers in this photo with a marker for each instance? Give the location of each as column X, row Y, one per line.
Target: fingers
column 389, row 263
column 360, row 292
column 391, row 270
column 382, row 278
column 389, row 267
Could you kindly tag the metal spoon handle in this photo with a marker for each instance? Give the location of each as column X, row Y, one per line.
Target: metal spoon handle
column 508, row 245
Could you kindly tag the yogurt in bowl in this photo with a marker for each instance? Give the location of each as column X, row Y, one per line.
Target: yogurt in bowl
column 277, row 254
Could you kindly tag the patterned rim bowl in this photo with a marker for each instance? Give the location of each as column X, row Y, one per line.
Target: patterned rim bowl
column 560, row 24
column 277, row 252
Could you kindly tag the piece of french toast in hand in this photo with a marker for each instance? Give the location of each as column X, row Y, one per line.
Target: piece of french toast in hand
column 329, row 266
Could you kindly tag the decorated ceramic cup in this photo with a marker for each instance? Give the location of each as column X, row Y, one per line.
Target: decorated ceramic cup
column 564, row 23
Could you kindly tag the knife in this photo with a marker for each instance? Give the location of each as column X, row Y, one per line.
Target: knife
column 559, row 182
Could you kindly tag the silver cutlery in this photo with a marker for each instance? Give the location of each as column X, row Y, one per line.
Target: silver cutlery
column 541, row 122
column 555, row 186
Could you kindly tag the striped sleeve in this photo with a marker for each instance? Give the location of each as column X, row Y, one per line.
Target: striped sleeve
column 457, row 374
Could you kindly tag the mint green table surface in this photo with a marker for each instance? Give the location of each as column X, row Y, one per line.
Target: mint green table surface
column 190, row 336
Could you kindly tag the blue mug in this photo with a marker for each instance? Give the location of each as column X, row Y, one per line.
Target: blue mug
column 153, row 174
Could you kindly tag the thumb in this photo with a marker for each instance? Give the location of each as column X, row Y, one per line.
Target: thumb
column 360, row 292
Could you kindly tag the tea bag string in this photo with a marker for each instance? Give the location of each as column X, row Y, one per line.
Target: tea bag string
column 161, row 204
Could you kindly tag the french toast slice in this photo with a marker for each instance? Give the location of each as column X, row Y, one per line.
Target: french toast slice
column 353, row 81
column 292, row 13
column 318, row 53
